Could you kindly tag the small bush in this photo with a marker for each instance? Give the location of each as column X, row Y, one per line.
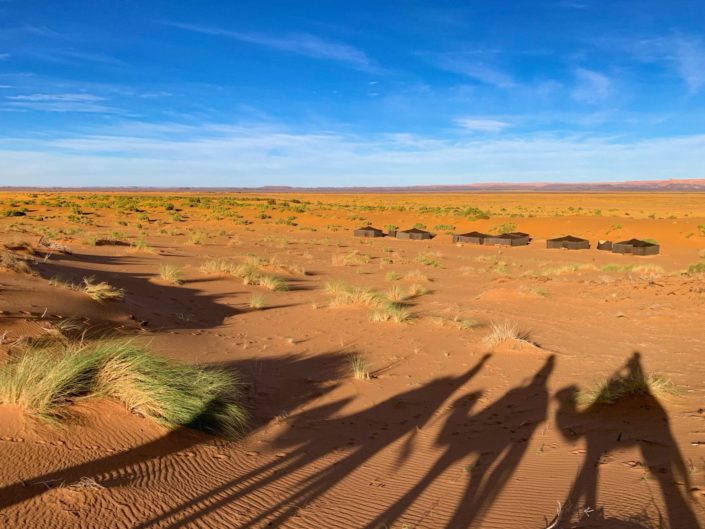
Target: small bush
column 170, row 273
column 359, row 367
column 102, row 291
column 46, row 381
column 429, row 259
column 13, row 263
column 609, row 391
column 389, row 311
column 697, row 268
column 501, row 332
column 345, row 294
column 272, row 283
column 257, row 302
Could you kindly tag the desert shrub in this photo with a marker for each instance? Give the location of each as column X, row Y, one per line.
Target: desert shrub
column 358, row 365
column 390, row 311
column 345, row 294
column 272, row 283
column 170, row 273
column 416, row 290
column 101, row 291
column 46, row 381
column 416, row 275
column 257, row 302
column 429, row 259
column 697, row 268
column 396, row 294
column 609, row 391
column 501, row 332
column 10, row 261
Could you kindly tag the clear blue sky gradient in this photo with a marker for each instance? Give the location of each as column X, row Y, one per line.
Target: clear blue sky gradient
column 321, row 93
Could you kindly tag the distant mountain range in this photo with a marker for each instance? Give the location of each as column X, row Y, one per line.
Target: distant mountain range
column 672, row 185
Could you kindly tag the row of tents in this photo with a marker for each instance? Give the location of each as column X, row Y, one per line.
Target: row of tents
column 516, row 238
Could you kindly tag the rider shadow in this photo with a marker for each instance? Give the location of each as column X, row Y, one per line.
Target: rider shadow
column 366, row 433
column 636, row 419
column 499, row 435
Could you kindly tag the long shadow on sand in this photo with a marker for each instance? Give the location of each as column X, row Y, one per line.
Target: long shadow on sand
column 299, row 380
column 499, row 435
column 155, row 303
column 637, row 420
column 366, row 434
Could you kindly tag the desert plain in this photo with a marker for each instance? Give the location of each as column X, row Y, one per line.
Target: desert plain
column 388, row 383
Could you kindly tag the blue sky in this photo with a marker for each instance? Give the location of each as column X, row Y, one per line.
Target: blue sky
column 332, row 93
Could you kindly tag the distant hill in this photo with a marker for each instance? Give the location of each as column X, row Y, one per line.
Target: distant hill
column 672, row 185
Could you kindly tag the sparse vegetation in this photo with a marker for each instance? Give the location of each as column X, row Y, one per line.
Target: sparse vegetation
column 101, row 291
column 46, row 381
column 505, row 331
column 358, row 364
column 257, row 301
column 609, row 391
column 429, row 259
column 170, row 273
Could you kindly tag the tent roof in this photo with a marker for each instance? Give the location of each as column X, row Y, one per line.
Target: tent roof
column 636, row 242
column 369, row 228
column 568, row 238
column 512, row 235
column 473, row 234
column 416, row 230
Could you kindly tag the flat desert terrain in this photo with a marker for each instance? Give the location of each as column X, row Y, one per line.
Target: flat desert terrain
column 389, row 383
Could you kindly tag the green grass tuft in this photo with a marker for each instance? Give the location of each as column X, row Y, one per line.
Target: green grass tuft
column 46, row 381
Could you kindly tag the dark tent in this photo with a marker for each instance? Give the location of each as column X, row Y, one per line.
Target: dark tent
column 414, row 234
column 473, row 237
column 568, row 242
column 636, row 247
column 604, row 245
column 368, row 231
column 515, row 238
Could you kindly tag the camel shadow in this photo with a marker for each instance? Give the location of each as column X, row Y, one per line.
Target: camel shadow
column 637, row 419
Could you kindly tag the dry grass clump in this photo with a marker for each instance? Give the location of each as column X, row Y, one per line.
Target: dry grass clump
column 697, row 268
column 101, row 291
column 14, row 263
column 396, row 294
column 218, row 266
column 358, row 364
column 417, row 276
column 429, row 259
column 353, row 258
column 390, row 311
column 272, row 283
column 455, row 322
column 249, row 271
column 609, row 391
column 502, row 332
column 257, row 302
column 46, row 381
column 384, row 308
column 274, row 264
column 566, row 269
column 416, row 290
column 345, row 294
column 170, row 273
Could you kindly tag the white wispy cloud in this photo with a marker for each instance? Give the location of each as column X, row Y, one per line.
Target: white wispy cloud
column 299, row 43
column 689, row 59
column 683, row 54
column 77, row 102
column 482, row 124
column 472, row 67
column 227, row 155
column 591, row 86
